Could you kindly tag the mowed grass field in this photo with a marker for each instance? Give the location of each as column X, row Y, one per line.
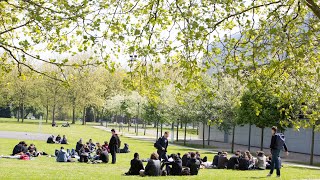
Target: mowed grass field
column 48, row 168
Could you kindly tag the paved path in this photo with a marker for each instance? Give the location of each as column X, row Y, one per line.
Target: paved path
column 222, row 146
column 23, row 135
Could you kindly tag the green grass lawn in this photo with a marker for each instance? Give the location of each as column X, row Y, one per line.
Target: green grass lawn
column 47, row 168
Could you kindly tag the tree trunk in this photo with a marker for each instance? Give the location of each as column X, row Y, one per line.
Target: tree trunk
column 22, row 112
column 249, row 143
column 84, row 116
column 232, row 145
column 157, row 129
column 203, row 140
column 128, row 124
column 181, row 125
column 73, row 114
column 161, row 130
column 47, row 113
column 262, row 134
column 197, row 128
column 145, row 128
column 209, row 129
column 185, row 134
column 18, row 114
column 312, row 145
column 177, row 131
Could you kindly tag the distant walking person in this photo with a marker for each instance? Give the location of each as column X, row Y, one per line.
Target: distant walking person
column 277, row 144
column 114, row 145
column 162, row 145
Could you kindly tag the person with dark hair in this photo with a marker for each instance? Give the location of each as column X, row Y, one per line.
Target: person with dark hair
column 104, row 156
column 233, row 162
column 79, row 145
column 105, row 146
column 91, row 145
column 135, row 165
column 216, row 159
column 33, row 150
column 223, row 160
column 64, row 140
column 185, row 159
column 58, row 139
column 162, row 145
column 84, row 153
column 176, row 164
column 276, row 145
column 50, row 140
column 193, row 164
column 153, row 166
column 244, row 162
column 62, row 155
column 114, row 145
column 125, row 148
column 19, row 149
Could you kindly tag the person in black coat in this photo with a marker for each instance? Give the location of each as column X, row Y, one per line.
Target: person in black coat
column 233, row 162
column 114, row 145
column 176, row 166
column 185, row 159
column 136, row 165
column 193, row 164
column 162, row 145
column 79, row 145
column 216, row 159
column 50, row 140
column 19, row 148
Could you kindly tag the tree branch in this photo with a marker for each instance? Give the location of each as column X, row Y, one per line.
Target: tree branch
column 11, row 29
column 314, row 7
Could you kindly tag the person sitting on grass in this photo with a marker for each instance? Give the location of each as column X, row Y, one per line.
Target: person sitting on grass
column 125, row 148
column 98, row 152
column 251, row 160
column 105, row 146
column 176, row 168
column 64, row 140
column 268, row 163
column 153, row 167
column 62, row 156
column 193, row 164
column 233, row 162
column 50, row 140
column 79, row 145
column 244, row 162
column 20, row 149
column 91, row 145
column 65, row 125
column 84, row 153
column 135, row 165
column 223, row 160
column 261, row 161
column 33, row 151
column 104, row 156
column 58, row 139
column 216, row 159
column 185, row 159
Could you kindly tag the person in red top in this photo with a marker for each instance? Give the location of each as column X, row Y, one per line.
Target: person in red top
column 105, row 147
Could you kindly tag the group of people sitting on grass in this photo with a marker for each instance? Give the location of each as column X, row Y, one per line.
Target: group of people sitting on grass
column 54, row 124
column 242, row 161
column 57, row 140
column 174, row 166
column 88, row 152
column 24, row 152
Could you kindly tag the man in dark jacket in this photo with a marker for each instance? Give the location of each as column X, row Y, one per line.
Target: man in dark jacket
column 277, row 144
column 234, row 161
column 193, row 164
column 176, row 166
column 223, row 160
column 19, row 148
column 216, row 159
column 114, row 145
column 136, row 165
column 162, row 145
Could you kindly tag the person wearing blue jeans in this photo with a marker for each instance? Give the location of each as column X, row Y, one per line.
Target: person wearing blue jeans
column 277, row 144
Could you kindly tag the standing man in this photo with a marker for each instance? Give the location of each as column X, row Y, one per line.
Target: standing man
column 162, row 145
column 114, row 145
column 277, row 144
